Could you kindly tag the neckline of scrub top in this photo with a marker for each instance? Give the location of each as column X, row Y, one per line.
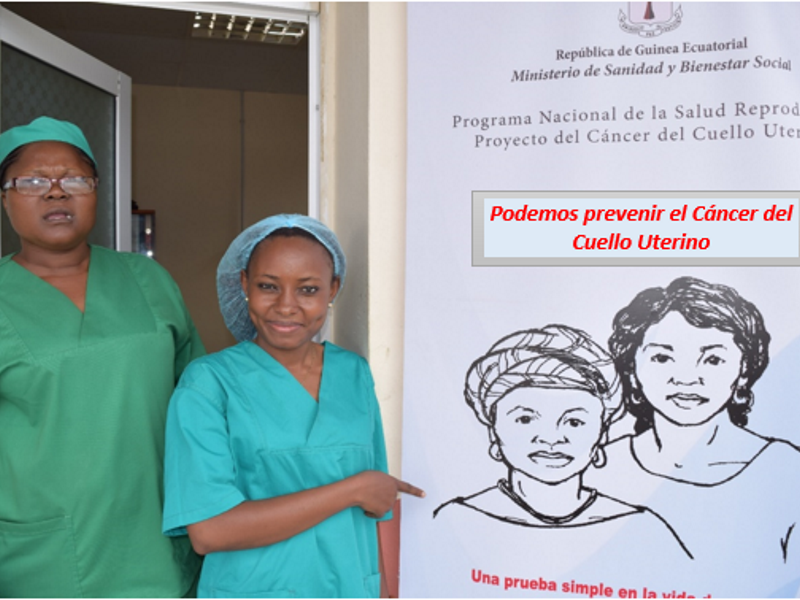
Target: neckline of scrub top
column 53, row 290
column 315, row 410
column 272, row 361
column 116, row 305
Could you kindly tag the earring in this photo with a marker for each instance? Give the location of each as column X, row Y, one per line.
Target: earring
column 330, row 304
column 494, row 452
column 599, row 459
column 742, row 396
column 637, row 397
column 246, row 299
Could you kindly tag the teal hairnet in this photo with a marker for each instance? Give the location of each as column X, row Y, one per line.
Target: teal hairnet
column 232, row 302
column 43, row 129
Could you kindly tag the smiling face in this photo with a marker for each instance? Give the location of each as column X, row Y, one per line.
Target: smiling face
column 55, row 221
column 687, row 373
column 548, row 434
column 289, row 283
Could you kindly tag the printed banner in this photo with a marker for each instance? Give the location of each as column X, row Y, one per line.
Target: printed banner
column 583, row 429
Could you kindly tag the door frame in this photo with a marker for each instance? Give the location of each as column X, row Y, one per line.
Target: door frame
column 303, row 12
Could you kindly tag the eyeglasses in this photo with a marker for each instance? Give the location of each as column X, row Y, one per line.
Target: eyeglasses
column 39, row 186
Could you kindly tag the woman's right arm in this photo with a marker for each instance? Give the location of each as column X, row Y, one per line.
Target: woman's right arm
column 201, row 493
column 256, row 523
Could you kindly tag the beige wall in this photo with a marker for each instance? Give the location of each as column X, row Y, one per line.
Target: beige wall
column 363, row 172
column 362, row 182
column 199, row 156
column 275, row 155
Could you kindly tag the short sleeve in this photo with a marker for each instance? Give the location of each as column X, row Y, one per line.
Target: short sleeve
column 378, row 442
column 199, row 469
column 380, row 462
column 166, row 300
column 188, row 345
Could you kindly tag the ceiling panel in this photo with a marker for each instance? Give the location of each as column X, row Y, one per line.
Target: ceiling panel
column 155, row 47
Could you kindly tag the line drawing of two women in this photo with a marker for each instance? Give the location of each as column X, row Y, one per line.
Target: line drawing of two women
column 685, row 359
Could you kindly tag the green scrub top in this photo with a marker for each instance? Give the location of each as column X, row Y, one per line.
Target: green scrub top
column 83, row 402
column 241, row 427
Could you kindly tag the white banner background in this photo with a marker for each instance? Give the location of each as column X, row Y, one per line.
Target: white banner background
column 462, row 59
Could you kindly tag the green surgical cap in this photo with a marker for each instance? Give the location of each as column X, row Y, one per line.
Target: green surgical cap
column 232, row 303
column 43, row 129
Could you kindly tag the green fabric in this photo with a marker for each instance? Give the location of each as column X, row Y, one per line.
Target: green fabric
column 241, row 427
column 83, row 401
column 43, row 129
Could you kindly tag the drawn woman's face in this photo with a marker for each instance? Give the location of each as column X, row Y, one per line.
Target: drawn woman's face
column 548, row 434
column 687, row 373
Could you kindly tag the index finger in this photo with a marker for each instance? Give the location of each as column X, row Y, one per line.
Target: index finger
column 407, row 488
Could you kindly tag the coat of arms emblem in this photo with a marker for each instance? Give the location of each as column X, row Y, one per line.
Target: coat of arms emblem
column 650, row 19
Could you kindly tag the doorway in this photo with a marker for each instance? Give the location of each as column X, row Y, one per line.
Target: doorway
column 220, row 130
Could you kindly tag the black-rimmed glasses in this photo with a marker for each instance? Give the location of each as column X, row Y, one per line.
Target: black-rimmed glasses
column 39, row 186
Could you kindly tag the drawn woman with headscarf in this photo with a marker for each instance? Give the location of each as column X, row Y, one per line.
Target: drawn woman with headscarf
column 547, row 397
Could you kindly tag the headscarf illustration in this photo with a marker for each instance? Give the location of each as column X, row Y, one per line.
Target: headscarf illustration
column 547, row 397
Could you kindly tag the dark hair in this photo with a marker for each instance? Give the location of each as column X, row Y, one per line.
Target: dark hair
column 293, row 232
column 704, row 305
column 13, row 157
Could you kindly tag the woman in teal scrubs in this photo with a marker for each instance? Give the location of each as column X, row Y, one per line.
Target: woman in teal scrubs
column 92, row 342
column 275, row 455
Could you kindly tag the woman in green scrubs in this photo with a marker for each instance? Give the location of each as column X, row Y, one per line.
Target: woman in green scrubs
column 92, row 342
column 275, row 457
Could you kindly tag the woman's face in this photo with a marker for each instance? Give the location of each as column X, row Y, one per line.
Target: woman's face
column 687, row 373
column 55, row 221
column 548, row 434
column 289, row 283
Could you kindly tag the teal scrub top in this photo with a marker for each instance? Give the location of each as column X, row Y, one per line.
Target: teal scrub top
column 83, row 404
column 241, row 427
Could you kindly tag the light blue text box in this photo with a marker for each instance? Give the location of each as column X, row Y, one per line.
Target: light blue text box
column 574, row 228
